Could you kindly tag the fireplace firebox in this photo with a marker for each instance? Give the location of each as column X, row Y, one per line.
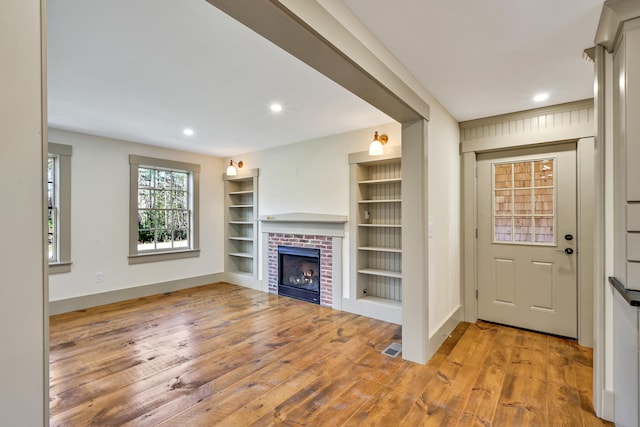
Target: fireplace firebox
column 299, row 273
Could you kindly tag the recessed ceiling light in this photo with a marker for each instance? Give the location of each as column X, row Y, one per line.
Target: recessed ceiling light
column 541, row 97
column 188, row 131
column 276, row 108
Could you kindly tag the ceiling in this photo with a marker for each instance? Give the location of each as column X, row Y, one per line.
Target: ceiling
column 145, row 70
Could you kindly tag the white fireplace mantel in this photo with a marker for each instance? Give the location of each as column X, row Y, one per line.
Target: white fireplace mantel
column 304, row 223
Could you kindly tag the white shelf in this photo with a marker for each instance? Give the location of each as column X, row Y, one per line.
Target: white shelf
column 381, row 273
column 241, row 222
column 239, row 193
column 244, row 239
column 380, row 181
column 241, row 254
column 381, row 225
column 241, row 206
column 379, row 249
column 381, row 201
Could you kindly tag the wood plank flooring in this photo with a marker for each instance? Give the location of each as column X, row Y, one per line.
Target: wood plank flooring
column 230, row 356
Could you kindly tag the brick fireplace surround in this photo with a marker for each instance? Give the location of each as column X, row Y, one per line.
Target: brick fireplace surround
column 316, row 231
column 324, row 243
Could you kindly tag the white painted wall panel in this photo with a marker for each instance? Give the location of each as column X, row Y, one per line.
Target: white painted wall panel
column 23, row 331
column 633, row 217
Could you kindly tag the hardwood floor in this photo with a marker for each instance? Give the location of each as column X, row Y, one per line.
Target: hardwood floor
column 227, row 355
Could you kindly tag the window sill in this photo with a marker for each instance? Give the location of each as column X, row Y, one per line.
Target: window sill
column 60, row 267
column 163, row 256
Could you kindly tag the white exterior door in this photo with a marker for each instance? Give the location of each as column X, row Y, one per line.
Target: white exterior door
column 527, row 241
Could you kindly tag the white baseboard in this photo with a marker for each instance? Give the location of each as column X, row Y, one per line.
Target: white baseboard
column 607, row 406
column 374, row 308
column 442, row 333
column 246, row 280
column 94, row 300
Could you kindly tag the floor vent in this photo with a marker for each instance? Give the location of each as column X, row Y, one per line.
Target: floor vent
column 393, row 350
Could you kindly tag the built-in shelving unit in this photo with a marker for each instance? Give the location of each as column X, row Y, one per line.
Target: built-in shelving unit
column 241, row 215
column 376, row 201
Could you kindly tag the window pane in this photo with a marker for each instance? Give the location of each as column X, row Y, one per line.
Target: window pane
column 522, row 174
column 146, row 220
column 145, row 199
column 544, row 230
column 503, row 175
column 544, row 201
column 502, row 229
column 163, row 219
column 50, row 168
column 164, row 179
column 181, row 200
column 503, row 202
column 522, row 204
column 51, row 235
column 145, row 178
column 180, row 238
column 180, row 181
column 181, row 219
column 162, row 199
column 522, row 230
column 543, row 172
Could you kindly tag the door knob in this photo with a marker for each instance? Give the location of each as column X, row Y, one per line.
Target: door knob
column 568, row 251
column 568, row 237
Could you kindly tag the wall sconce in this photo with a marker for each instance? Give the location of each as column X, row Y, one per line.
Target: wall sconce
column 375, row 148
column 231, row 170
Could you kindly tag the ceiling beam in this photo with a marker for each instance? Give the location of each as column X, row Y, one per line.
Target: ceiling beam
column 331, row 49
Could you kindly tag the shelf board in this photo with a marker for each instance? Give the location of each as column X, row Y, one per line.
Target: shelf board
column 381, row 201
column 244, row 239
column 241, row 254
column 240, row 206
column 241, row 222
column 382, row 301
column 379, row 181
column 383, row 273
column 380, row 249
column 233, row 193
column 381, row 225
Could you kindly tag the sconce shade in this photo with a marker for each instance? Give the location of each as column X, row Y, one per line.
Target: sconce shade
column 231, row 170
column 375, row 148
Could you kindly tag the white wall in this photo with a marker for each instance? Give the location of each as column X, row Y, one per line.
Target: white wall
column 444, row 218
column 312, row 176
column 100, row 218
column 23, row 330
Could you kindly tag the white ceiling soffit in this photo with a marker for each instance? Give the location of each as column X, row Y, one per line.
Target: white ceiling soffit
column 145, row 70
column 483, row 58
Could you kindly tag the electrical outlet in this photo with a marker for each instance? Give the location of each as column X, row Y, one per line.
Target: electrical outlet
column 99, row 277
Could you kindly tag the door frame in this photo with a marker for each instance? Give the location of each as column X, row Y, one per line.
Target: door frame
column 585, row 156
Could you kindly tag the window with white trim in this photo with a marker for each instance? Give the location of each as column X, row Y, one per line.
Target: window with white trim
column 164, row 209
column 59, row 208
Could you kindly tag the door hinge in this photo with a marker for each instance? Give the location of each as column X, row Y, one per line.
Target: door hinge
column 475, row 170
column 476, row 233
column 476, row 294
